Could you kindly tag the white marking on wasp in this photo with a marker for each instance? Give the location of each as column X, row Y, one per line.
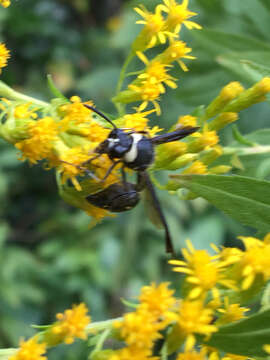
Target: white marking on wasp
column 112, row 142
column 131, row 155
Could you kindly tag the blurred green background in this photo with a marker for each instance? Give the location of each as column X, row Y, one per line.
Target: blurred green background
column 49, row 259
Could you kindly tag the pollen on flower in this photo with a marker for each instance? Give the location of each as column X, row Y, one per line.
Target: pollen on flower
column 178, row 14
column 39, row 144
column 4, row 52
column 137, row 121
column 72, row 323
column 157, row 299
column 30, row 350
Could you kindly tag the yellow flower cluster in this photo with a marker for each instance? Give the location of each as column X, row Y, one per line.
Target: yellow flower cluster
column 70, row 325
column 158, row 28
column 179, row 325
column 4, row 52
column 204, row 306
column 140, row 329
column 30, row 350
column 5, row 3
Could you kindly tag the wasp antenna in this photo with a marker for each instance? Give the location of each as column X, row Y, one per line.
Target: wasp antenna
column 100, row 113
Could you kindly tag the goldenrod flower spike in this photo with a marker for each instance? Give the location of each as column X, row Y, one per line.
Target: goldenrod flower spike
column 30, row 350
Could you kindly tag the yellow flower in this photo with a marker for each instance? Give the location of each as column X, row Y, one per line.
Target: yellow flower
column 70, row 165
column 38, row 146
column 75, row 113
column 197, row 168
column 147, row 92
column 178, row 14
column 174, row 52
column 157, row 299
column 30, row 350
column 231, row 312
column 4, row 52
column 5, row 3
column 204, row 272
column 139, row 329
column 96, row 213
column 156, row 72
column 222, row 120
column 72, row 324
column 255, row 260
column 153, row 32
column 134, row 353
column 137, row 121
column 192, row 355
column 204, row 140
column 229, row 92
column 194, row 318
column 187, row 120
column 24, row 111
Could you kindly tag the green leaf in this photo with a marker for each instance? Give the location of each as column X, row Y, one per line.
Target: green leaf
column 245, row 337
column 220, row 42
column 244, row 199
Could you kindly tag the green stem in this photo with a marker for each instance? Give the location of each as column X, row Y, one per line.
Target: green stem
column 9, row 93
column 122, row 76
column 5, row 354
column 259, row 149
column 101, row 325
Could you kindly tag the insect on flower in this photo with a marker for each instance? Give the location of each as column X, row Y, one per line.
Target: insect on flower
column 134, row 150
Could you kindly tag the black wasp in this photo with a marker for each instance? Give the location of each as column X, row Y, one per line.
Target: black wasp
column 135, row 150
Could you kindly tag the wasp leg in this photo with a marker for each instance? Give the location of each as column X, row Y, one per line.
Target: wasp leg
column 88, row 172
column 87, row 162
column 110, row 170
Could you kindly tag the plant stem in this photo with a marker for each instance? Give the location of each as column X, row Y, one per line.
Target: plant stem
column 259, row 149
column 101, row 325
column 9, row 93
column 121, row 80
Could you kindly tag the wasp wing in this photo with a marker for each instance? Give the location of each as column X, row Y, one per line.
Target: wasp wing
column 156, row 211
column 174, row 135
